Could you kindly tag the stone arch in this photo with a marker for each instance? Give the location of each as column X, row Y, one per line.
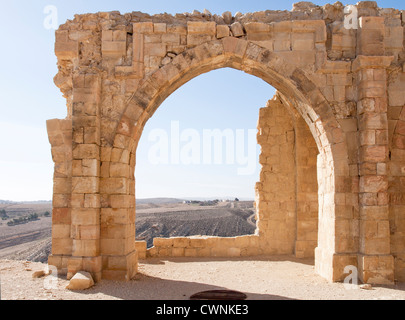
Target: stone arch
column 339, row 80
column 337, row 241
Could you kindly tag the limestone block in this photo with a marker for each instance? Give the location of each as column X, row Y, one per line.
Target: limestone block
column 65, row 49
column 86, row 151
column 61, row 216
column 80, row 281
column 116, row 247
column 242, row 241
column 172, row 39
column 60, row 231
column 62, row 246
column 38, row 274
column 378, row 269
column 91, row 201
column 85, row 232
column 282, row 44
column 62, row 185
column 190, row 252
column 140, row 247
column 335, row 67
column 373, row 153
column 197, row 242
column 367, row 137
column 113, row 49
column 114, row 185
column 219, row 251
column 257, row 27
column 202, row 27
column 257, row 31
column 159, row 27
column 373, row 121
column 109, row 216
column 60, row 200
column 85, row 216
column 203, row 252
column 118, row 169
column 396, row 97
column 399, row 264
column 282, row 27
column 178, row 252
column 197, row 39
column 227, row 15
column 222, row 31
column 89, row 167
column 117, row 231
column 153, row 38
column 180, row 242
column 85, row 184
column 368, row 212
column 143, row 27
column 122, row 201
column 155, row 49
column 234, row 252
column 91, row 135
column 303, row 41
column 373, row 183
column 394, row 37
column 234, row 46
column 237, row 29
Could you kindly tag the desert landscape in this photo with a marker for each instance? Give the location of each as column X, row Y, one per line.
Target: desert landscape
column 155, row 217
column 30, row 240
column 329, row 198
column 24, row 249
column 177, row 219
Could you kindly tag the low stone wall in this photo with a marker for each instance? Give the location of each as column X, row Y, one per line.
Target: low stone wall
column 200, row 246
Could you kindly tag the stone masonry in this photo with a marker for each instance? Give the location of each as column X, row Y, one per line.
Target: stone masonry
column 333, row 137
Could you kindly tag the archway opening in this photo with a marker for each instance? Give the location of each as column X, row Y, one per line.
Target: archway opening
column 198, row 159
column 281, row 207
column 333, row 249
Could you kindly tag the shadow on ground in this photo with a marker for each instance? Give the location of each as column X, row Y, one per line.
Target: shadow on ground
column 281, row 258
column 153, row 288
column 146, row 287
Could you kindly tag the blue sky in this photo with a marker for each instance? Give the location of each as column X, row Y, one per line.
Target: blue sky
column 220, row 99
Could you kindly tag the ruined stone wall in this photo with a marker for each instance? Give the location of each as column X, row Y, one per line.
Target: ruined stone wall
column 276, row 191
column 344, row 86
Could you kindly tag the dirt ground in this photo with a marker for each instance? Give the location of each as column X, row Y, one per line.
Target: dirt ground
column 261, row 278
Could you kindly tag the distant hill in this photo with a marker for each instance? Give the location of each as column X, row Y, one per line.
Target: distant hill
column 159, row 200
column 177, row 200
column 25, row 202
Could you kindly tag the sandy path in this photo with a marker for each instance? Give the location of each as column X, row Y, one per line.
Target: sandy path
column 260, row 278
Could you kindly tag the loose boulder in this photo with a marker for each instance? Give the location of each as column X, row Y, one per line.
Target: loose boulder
column 80, row 281
column 38, row 274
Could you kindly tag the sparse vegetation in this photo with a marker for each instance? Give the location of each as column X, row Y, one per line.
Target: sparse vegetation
column 25, row 219
column 163, row 217
column 3, row 215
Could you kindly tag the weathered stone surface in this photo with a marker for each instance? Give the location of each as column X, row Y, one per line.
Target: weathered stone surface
column 332, row 140
column 80, row 281
column 237, row 29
